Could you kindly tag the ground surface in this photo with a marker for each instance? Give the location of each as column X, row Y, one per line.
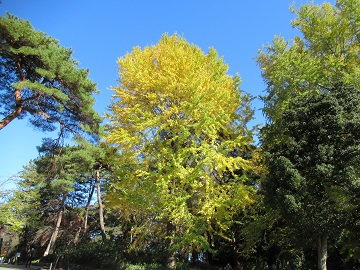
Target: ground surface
column 16, row 267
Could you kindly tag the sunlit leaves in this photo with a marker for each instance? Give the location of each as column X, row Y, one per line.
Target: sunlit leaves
column 327, row 53
column 179, row 122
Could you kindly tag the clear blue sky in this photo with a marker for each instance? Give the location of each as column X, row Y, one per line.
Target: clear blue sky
column 99, row 32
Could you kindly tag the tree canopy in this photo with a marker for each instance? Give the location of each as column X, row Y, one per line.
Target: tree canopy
column 326, row 53
column 180, row 123
column 314, row 174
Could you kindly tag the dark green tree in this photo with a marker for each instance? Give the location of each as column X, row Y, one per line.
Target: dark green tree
column 54, row 195
column 38, row 77
column 313, row 174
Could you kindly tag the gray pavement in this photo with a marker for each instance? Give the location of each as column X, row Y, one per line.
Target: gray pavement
column 5, row 266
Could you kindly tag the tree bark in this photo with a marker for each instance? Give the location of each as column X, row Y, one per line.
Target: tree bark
column 18, row 101
column 10, row 117
column 171, row 260
column 322, row 253
column 194, row 258
column 55, row 233
column 77, row 236
column 15, row 113
column 171, row 255
column 91, row 192
column 101, row 208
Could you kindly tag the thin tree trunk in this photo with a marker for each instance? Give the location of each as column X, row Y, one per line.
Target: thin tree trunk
column 237, row 263
column 88, row 206
column 84, row 227
column 170, row 231
column 101, row 208
column 322, row 253
column 171, row 256
column 171, row 260
column 194, row 258
column 56, row 261
column 77, row 235
column 55, row 233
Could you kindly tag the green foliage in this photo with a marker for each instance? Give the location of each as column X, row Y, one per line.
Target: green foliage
column 44, row 78
column 155, row 266
column 325, row 54
column 59, row 180
column 94, row 255
column 313, row 175
column 312, row 167
column 20, row 206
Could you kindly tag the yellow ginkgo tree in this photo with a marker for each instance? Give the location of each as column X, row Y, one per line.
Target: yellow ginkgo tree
column 179, row 122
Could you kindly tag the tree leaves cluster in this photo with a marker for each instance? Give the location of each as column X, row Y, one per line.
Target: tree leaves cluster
column 180, row 123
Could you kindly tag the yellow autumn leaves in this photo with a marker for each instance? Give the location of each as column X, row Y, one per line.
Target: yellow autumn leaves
column 171, row 81
column 175, row 118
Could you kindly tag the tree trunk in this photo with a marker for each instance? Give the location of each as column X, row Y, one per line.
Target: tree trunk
column 322, row 252
column 91, row 192
column 18, row 101
column 6, row 120
column 16, row 112
column 194, row 258
column 77, row 235
column 171, row 255
column 237, row 264
column 55, row 233
column 171, row 260
column 101, row 208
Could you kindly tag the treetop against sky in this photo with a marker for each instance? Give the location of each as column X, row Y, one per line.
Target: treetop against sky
column 100, row 33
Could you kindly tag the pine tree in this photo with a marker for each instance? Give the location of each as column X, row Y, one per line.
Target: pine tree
column 39, row 78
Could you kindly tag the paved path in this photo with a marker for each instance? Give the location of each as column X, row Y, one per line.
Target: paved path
column 5, row 266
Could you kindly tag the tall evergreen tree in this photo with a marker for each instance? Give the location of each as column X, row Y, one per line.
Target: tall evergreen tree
column 54, row 195
column 324, row 55
column 39, row 78
column 314, row 174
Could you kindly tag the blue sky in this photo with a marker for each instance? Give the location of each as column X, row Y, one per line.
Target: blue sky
column 99, row 32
